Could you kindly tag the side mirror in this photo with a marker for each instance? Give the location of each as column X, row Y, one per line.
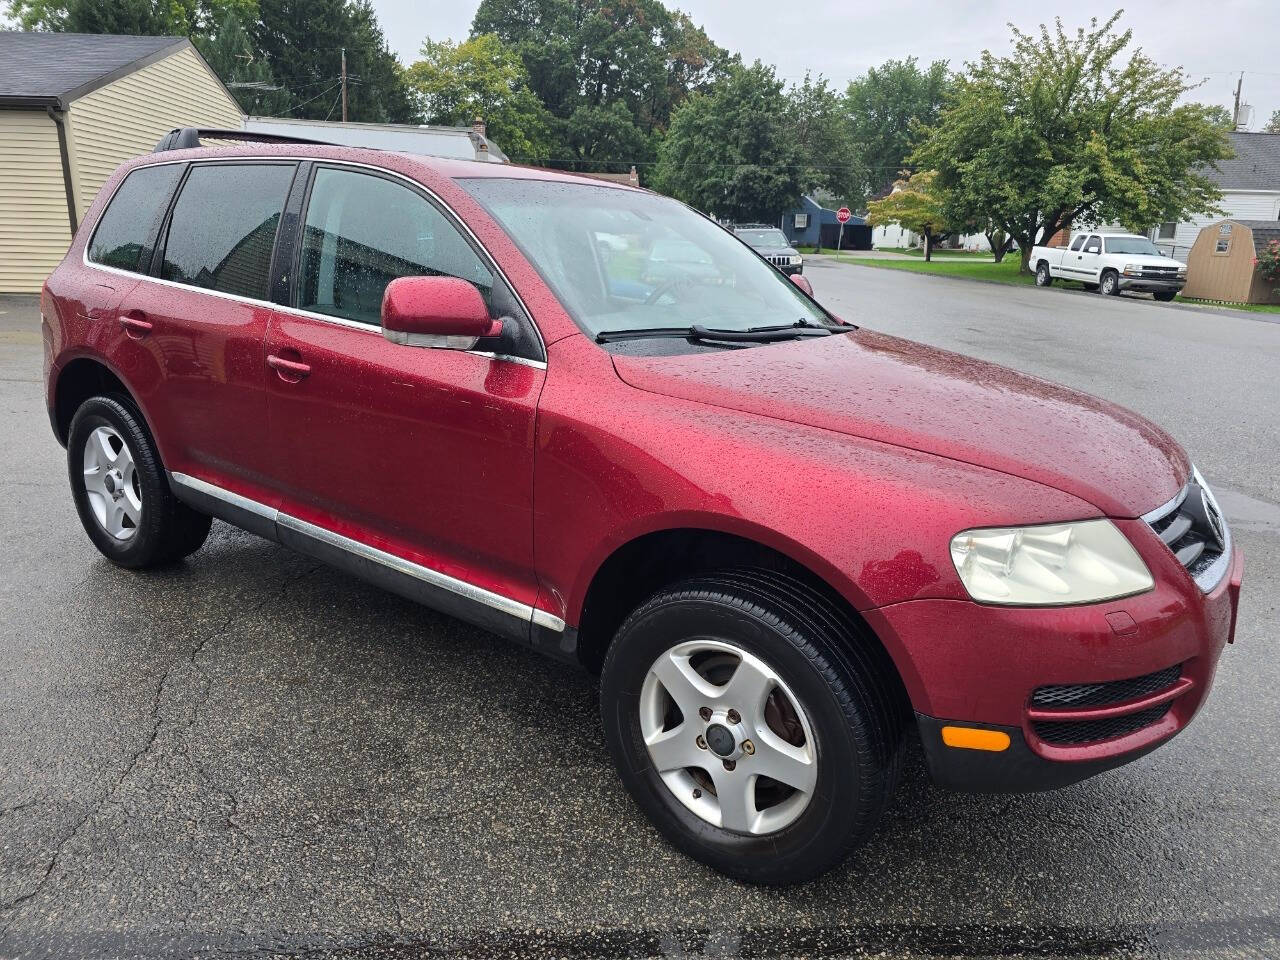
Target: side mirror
column 443, row 312
column 801, row 281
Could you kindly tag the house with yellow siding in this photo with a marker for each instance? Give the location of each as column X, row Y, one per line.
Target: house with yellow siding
column 72, row 108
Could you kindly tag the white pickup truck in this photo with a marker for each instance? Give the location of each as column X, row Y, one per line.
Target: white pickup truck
column 1111, row 262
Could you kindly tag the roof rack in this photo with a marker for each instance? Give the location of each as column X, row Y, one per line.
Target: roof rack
column 184, row 138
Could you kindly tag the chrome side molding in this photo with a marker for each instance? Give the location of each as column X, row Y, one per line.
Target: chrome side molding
column 461, row 599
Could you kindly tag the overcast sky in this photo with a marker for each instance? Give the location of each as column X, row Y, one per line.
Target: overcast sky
column 1214, row 41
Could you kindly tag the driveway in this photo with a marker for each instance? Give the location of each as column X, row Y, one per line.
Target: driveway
column 253, row 755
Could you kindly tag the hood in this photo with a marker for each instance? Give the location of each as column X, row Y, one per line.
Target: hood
column 1150, row 260
column 881, row 388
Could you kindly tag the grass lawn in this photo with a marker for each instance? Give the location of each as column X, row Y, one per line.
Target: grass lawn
column 976, row 268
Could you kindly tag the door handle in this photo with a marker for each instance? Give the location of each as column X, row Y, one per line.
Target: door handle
column 290, row 370
column 134, row 326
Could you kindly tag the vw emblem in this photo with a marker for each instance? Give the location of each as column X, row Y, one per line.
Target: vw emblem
column 1214, row 516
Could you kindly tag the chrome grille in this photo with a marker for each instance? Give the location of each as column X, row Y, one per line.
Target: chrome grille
column 1191, row 525
column 779, row 259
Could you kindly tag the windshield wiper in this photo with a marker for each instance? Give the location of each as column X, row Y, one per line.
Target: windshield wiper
column 698, row 332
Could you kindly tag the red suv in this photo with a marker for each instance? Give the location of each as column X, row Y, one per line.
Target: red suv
column 784, row 542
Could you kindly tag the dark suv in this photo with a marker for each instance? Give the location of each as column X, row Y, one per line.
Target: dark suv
column 587, row 418
column 772, row 244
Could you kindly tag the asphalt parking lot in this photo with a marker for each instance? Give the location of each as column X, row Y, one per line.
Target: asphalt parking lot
column 250, row 755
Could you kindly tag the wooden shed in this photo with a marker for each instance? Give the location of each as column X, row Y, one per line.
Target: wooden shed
column 1220, row 265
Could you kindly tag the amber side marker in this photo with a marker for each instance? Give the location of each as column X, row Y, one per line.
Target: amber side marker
column 970, row 738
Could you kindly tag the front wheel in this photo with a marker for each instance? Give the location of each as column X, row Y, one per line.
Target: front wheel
column 1110, row 284
column 1043, row 277
column 752, row 724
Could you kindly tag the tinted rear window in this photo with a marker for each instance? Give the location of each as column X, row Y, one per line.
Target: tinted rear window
column 129, row 219
column 224, row 226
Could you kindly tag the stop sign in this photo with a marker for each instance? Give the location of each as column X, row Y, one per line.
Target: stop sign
column 843, row 214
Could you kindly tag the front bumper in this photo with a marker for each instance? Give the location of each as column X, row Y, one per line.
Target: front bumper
column 792, row 268
column 1150, row 285
column 976, row 666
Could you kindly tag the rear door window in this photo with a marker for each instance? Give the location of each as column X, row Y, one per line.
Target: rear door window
column 361, row 232
column 1078, row 242
column 223, row 227
column 126, row 228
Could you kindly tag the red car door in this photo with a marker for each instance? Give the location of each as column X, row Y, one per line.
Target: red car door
column 395, row 452
column 205, row 324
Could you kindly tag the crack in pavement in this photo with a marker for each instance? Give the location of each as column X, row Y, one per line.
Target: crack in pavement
column 12, row 907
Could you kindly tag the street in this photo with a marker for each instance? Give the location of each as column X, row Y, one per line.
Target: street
column 250, row 754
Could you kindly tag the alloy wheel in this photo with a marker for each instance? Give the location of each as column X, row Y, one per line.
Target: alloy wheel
column 728, row 737
column 112, row 484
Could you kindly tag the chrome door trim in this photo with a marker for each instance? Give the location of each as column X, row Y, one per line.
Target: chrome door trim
column 226, row 496
column 515, row 609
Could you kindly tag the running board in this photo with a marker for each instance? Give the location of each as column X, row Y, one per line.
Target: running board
column 492, row 611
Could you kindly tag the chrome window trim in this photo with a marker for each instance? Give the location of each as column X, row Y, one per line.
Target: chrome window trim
column 496, row 601
column 450, row 214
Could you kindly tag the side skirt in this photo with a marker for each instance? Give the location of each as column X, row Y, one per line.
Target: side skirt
column 491, row 611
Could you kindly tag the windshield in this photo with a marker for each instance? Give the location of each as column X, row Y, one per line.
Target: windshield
column 1132, row 245
column 764, row 239
column 620, row 259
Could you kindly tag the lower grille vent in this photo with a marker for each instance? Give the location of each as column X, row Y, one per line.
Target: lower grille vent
column 1105, row 694
column 1063, row 733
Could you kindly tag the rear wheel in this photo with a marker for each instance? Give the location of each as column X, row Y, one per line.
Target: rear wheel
column 1043, row 277
column 752, row 724
column 1109, row 285
column 121, row 491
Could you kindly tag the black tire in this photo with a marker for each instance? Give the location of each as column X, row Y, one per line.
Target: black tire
column 1109, row 284
column 167, row 530
column 1164, row 297
column 1043, row 277
column 841, row 678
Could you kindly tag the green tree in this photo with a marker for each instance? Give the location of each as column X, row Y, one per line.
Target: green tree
column 625, row 65
column 1066, row 130
column 822, row 132
column 231, row 54
column 303, row 41
column 1219, row 115
column 731, row 150
column 885, row 107
column 456, row 83
column 1273, row 125
column 183, row 18
column 917, row 204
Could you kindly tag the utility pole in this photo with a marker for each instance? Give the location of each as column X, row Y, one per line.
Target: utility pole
column 344, row 86
column 1235, row 113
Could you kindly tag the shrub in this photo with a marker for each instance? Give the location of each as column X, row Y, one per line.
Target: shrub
column 1267, row 262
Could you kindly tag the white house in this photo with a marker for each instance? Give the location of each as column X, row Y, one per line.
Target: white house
column 895, row 235
column 1250, row 185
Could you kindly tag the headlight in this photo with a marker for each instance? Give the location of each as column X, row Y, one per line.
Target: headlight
column 1132, row 270
column 1049, row 565
column 796, row 260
